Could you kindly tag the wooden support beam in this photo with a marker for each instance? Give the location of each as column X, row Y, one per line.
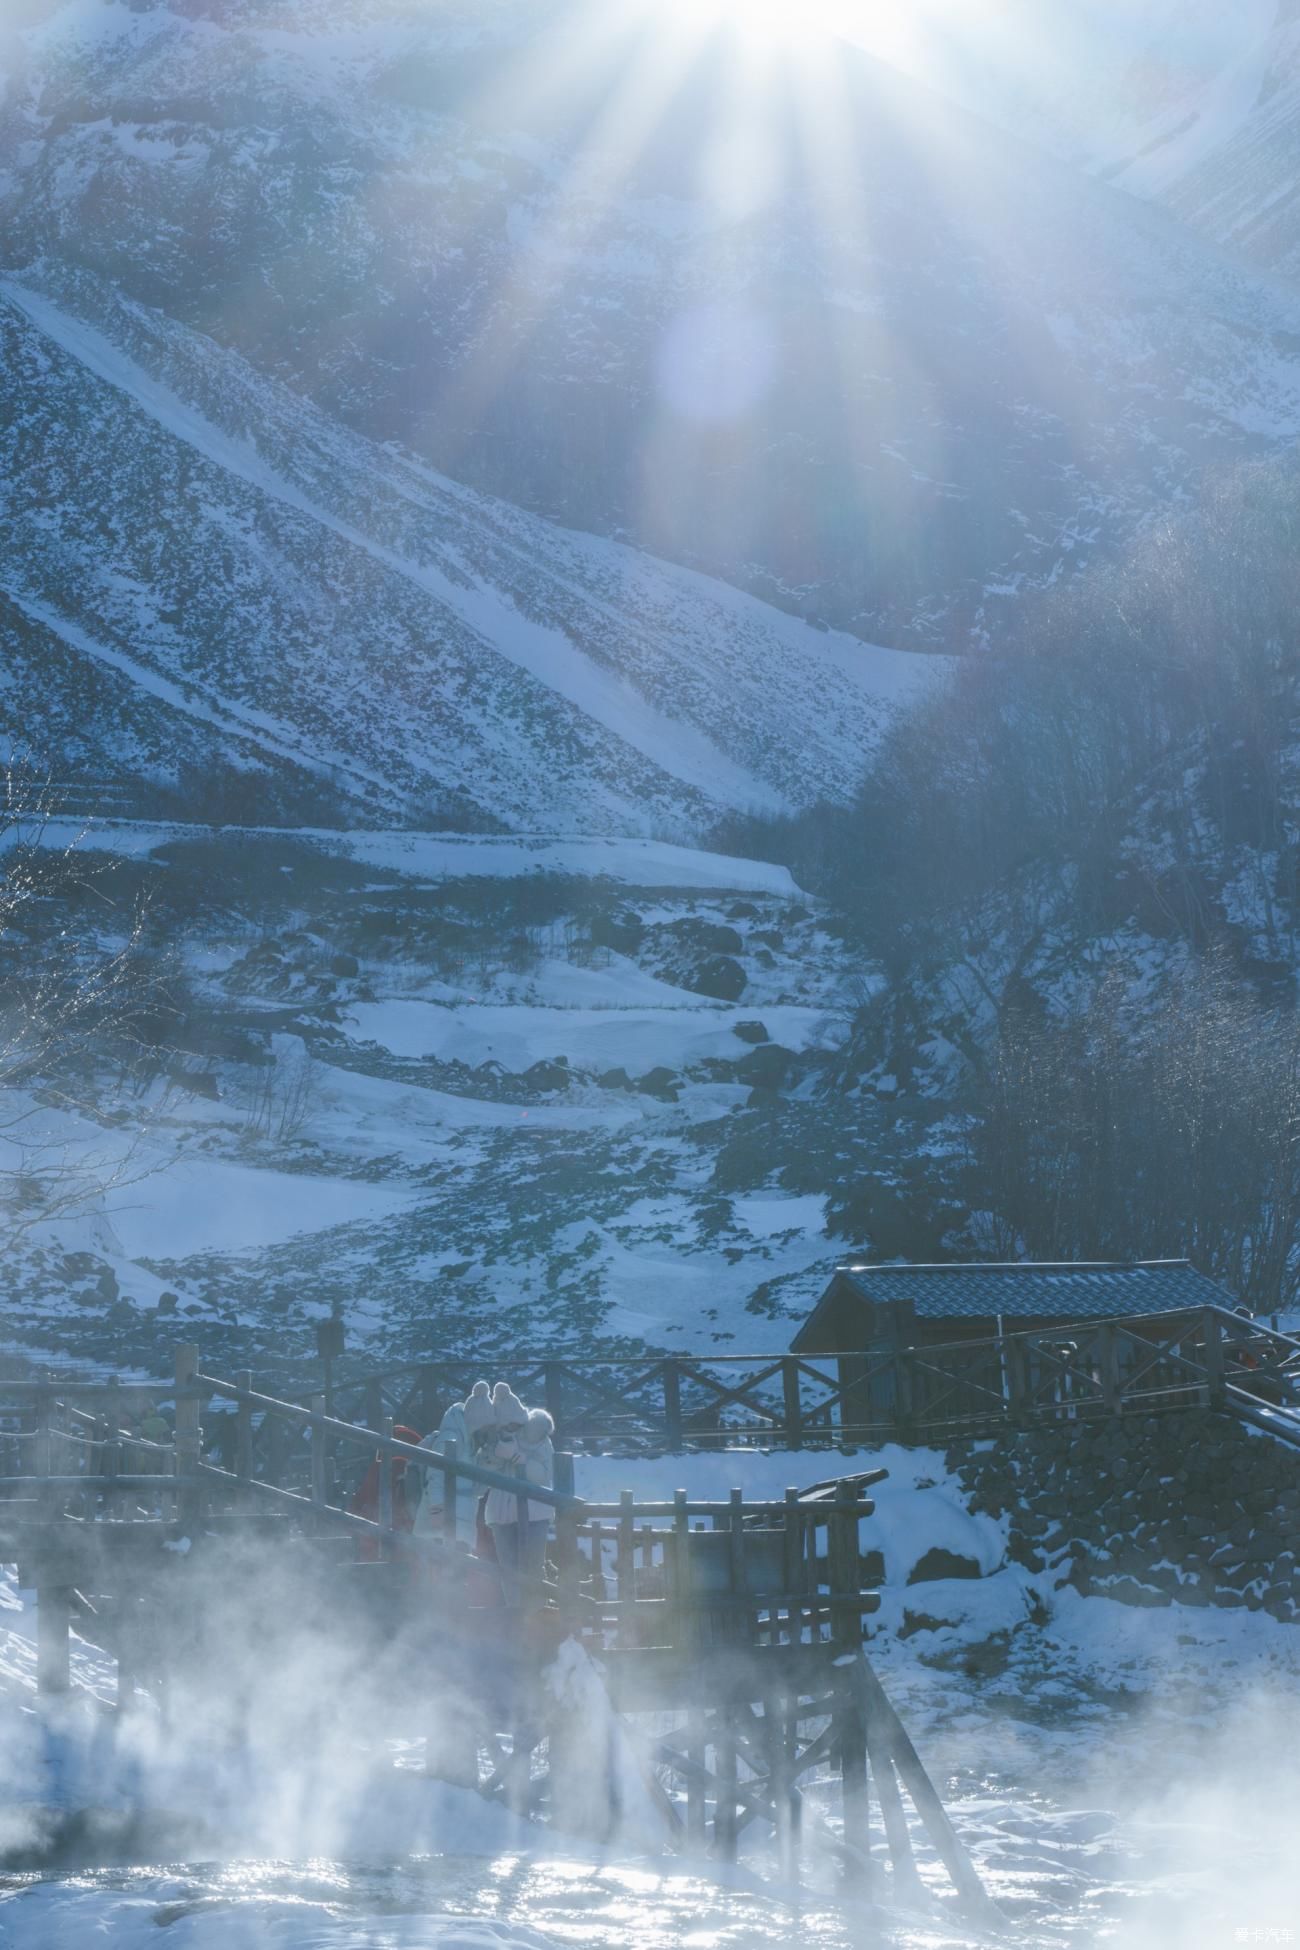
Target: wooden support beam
column 1212, row 1332
column 450, row 1489
column 319, row 1470
column 189, row 1435
column 925, row 1798
column 726, row 1805
column 673, row 1405
column 1107, row 1354
column 53, row 1620
column 553, row 1385
column 793, row 1402
column 244, row 1425
column 907, row 1882
column 851, row 1741
column 567, row 1558
column 625, row 1566
column 386, row 1467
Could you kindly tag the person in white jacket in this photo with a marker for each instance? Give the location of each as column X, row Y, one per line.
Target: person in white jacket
column 520, row 1445
column 470, row 1425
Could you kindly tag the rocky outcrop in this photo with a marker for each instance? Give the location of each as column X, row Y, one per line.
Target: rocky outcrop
column 1191, row 1509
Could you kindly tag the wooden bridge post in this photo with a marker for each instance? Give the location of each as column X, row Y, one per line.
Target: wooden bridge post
column 53, row 1598
column 685, row 1633
column 553, row 1383
column 844, row 1575
column 53, row 1622
column 319, row 1476
column 386, row 1495
column 43, row 1458
column 244, row 1426
column 730, row 1709
column 793, row 1401
column 726, row 1814
column 625, row 1569
column 112, row 1470
column 904, row 1391
column 189, row 1435
column 112, row 1500
column 1212, row 1329
column 672, row 1374
column 1108, row 1368
column 428, row 1392
column 1015, row 1367
column 450, row 1491
column 567, row 1566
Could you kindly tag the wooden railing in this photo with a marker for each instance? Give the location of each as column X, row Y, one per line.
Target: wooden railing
column 1152, row 1363
column 672, row 1403
column 630, row 1575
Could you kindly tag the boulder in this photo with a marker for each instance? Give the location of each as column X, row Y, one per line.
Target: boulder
column 766, row 1067
column 710, row 937
column 622, row 931
column 344, row 966
column 547, row 1076
column 939, row 1563
column 659, row 1082
column 720, row 976
column 751, row 1032
column 617, row 1079
column 1127, row 1591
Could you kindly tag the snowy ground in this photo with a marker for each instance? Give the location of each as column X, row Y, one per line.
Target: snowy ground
column 476, row 1093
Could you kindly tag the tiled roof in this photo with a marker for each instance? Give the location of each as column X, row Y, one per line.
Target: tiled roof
column 1073, row 1291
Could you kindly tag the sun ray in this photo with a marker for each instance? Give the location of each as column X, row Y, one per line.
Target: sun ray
column 650, row 68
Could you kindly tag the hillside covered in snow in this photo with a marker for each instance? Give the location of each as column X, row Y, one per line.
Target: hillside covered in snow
column 208, row 586
column 797, row 324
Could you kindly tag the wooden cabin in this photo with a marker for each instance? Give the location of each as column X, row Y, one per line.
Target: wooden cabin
column 868, row 1309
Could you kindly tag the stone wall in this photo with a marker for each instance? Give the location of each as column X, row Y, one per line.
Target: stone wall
column 1190, row 1508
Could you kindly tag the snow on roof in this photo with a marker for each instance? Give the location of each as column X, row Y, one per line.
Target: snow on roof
column 1066, row 1290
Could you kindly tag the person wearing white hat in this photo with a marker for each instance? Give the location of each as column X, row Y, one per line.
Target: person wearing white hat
column 470, row 1425
column 520, row 1445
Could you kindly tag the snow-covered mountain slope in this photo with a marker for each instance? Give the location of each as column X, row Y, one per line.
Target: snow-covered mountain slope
column 804, row 326
column 201, row 571
column 1184, row 102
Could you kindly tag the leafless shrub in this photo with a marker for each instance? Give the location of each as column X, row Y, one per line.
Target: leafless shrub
column 281, row 1099
column 86, row 1015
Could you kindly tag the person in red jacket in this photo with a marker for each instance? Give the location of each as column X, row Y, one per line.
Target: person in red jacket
column 365, row 1501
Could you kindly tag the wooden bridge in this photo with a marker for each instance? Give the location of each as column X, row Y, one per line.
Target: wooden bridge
column 665, row 1405
column 729, row 1634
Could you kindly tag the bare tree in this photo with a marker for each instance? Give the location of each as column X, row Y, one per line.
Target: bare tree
column 1116, row 1134
column 85, row 1013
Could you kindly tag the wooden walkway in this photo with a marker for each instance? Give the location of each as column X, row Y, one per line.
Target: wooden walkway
column 730, row 1631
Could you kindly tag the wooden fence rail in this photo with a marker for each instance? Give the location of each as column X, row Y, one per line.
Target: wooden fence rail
column 667, row 1404
column 672, row 1403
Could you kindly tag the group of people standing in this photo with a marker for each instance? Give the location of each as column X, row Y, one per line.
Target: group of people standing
column 494, row 1430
